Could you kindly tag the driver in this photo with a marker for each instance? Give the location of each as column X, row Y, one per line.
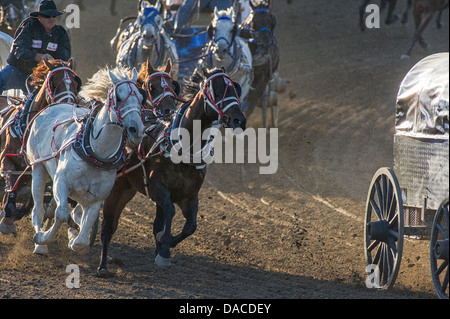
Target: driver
column 37, row 38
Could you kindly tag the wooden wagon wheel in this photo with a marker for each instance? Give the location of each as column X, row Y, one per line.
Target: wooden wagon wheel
column 383, row 231
column 439, row 250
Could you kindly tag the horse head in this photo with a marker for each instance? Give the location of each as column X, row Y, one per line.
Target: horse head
column 125, row 98
column 150, row 23
column 11, row 15
column 161, row 89
column 221, row 98
column 261, row 23
column 222, row 31
column 57, row 81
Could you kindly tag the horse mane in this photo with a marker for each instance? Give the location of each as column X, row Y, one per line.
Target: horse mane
column 191, row 89
column 41, row 71
column 97, row 87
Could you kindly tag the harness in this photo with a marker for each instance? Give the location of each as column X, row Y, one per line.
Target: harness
column 169, row 138
column 83, row 148
column 81, row 139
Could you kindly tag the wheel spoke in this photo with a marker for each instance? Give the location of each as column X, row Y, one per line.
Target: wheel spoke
column 373, row 245
column 376, row 208
column 441, row 268
column 442, row 231
column 384, row 190
column 380, row 197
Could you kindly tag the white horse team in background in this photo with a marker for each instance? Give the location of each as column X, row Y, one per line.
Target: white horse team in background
column 226, row 49
column 146, row 39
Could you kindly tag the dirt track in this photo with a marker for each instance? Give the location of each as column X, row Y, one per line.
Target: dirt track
column 295, row 234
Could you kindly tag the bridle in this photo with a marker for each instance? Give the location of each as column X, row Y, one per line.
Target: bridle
column 168, row 91
column 67, row 80
column 264, row 29
column 207, row 91
column 112, row 100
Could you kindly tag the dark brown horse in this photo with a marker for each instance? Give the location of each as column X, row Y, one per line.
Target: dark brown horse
column 259, row 27
column 423, row 12
column 213, row 97
column 54, row 81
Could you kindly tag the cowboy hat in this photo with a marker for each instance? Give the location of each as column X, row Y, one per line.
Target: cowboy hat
column 46, row 8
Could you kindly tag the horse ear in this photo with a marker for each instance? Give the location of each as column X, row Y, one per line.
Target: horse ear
column 113, row 78
column 71, row 64
column 48, row 64
column 210, row 31
column 135, row 75
column 150, row 68
column 216, row 12
column 168, row 68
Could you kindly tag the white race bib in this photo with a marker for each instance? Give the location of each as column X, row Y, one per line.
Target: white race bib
column 52, row 46
column 37, row 44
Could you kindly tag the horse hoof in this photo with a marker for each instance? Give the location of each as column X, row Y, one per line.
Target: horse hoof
column 7, row 228
column 79, row 248
column 404, row 57
column 40, row 250
column 104, row 273
column 162, row 262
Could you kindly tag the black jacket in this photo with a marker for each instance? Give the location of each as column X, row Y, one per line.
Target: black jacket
column 31, row 39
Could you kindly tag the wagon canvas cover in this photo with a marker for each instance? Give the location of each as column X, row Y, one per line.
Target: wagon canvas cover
column 422, row 99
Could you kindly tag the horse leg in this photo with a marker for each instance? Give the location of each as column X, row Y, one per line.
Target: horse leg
column 405, row 14
column 189, row 209
column 420, row 26
column 445, row 4
column 163, row 235
column 7, row 225
column 38, row 211
column 89, row 217
column 60, row 193
column 391, row 17
column 113, row 206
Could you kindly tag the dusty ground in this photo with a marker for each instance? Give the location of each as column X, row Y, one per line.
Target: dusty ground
column 294, row 234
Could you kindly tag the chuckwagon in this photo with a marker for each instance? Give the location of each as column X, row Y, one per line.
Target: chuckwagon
column 412, row 199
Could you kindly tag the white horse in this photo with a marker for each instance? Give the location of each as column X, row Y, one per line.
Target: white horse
column 146, row 39
column 60, row 130
column 226, row 49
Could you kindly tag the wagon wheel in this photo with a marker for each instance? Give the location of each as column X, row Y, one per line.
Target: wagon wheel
column 383, row 231
column 439, row 250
